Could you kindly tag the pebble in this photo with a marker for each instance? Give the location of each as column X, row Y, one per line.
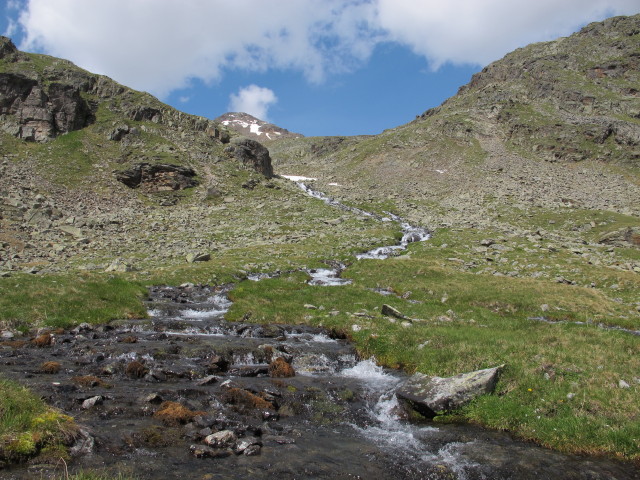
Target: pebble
column 92, row 402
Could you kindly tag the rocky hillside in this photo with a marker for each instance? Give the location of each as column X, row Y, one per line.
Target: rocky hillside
column 252, row 127
column 86, row 163
column 552, row 126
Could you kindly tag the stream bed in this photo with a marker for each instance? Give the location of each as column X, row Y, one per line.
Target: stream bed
column 337, row 417
column 184, row 394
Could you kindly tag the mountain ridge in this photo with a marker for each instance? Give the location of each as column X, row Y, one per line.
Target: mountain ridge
column 501, row 140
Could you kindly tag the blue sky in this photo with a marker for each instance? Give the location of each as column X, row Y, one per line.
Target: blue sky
column 316, row 67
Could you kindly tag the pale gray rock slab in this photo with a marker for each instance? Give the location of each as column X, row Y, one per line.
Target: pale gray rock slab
column 430, row 395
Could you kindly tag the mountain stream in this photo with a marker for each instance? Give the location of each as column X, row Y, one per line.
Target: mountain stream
column 185, row 394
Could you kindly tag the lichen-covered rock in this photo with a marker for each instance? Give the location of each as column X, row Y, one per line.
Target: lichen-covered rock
column 430, row 395
column 222, row 439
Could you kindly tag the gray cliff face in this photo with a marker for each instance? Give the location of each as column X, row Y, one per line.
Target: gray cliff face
column 38, row 113
column 40, row 107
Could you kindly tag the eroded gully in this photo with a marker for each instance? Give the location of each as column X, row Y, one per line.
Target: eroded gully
column 240, row 414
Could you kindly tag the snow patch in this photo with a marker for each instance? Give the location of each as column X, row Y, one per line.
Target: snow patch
column 298, row 178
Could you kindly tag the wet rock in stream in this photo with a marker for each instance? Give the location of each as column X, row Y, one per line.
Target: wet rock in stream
column 194, row 394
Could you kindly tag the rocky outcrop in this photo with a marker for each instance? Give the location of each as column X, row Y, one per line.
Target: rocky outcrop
column 550, row 101
column 430, row 395
column 159, row 177
column 33, row 112
column 252, row 154
column 42, row 97
column 9, row 52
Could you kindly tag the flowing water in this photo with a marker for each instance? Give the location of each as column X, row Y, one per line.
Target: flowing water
column 337, row 418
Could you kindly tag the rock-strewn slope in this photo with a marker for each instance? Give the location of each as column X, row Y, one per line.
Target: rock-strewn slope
column 553, row 125
column 92, row 171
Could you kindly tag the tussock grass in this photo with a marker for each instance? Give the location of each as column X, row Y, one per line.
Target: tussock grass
column 28, row 427
column 561, row 384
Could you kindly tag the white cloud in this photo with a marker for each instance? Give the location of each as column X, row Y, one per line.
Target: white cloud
column 161, row 45
column 478, row 32
column 253, row 100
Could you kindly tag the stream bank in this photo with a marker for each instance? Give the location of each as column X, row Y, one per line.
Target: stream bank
column 337, row 417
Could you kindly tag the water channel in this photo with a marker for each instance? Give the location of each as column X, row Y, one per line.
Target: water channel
column 337, row 418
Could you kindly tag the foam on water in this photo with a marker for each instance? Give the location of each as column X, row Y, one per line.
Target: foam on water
column 192, row 314
column 309, row 337
column 387, row 428
column 197, row 332
column 327, row 277
column 318, row 363
column 371, row 374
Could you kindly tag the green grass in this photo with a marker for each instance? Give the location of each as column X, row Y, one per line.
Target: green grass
column 28, row 427
column 560, row 386
column 67, row 300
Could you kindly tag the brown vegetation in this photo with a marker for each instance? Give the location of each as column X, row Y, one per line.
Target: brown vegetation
column 50, row 367
column 44, row 340
column 280, row 368
column 174, row 413
column 136, row 369
column 89, row 381
column 245, row 399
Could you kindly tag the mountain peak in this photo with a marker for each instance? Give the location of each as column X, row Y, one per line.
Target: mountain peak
column 253, row 127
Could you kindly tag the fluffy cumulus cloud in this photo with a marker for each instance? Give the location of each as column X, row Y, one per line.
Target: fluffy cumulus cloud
column 161, row 45
column 253, row 100
column 478, row 32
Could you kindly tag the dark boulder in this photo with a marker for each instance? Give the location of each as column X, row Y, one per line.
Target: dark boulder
column 41, row 113
column 158, row 177
column 252, row 154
